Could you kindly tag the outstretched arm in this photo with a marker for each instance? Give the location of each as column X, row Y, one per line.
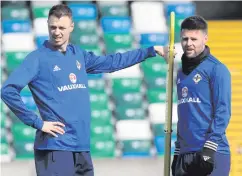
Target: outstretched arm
column 118, row 61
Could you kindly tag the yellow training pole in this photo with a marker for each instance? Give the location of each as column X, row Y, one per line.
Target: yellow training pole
column 169, row 98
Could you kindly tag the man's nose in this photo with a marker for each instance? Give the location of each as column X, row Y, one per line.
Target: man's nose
column 57, row 31
column 189, row 42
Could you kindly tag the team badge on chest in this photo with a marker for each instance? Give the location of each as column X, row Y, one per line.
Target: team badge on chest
column 78, row 65
column 184, row 92
column 197, row 78
column 72, row 78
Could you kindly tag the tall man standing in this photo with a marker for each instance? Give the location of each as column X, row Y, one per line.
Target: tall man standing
column 56, row 74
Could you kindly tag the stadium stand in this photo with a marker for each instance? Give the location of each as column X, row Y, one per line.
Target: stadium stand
column 130, row 99
column 226, row 44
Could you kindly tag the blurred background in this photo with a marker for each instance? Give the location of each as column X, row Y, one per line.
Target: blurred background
column 128, row 107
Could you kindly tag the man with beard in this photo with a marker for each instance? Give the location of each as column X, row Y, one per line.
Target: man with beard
column 204, row 106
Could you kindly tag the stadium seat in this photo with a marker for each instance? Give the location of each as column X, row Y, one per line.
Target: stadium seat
column 131, row 72
column 128, row 113
column 3, row 134
column 134, row 142
column 154, row 67
column 102, row 149
column 40, row 11
column 132, row 100
column 41, row 27
column 159, row 142
column 155, row 70
column 99, row 100
column 18, row 39
column 85, row 26
column 156, row 96
column 151, row 39
column 182, row 9
column 153, row 82
column 114, row 42
column 44, row 3
column 15, row 13
column 123, row 85
column 102, row 131
column 157, row 117
column 95, row 49
column 100, row 116
column 96, row 85
column 3, row 119
column 126, row 92
column 87, row 40
column 23, row 133
column 14, row 59
column 24, row 150
column 5, row 152
column 16, row 26
column 85, row 32
column 77, row 2
column 113, row 8
column 14, row 3
column 83, row 11
column 155, row 22
column 116, row 25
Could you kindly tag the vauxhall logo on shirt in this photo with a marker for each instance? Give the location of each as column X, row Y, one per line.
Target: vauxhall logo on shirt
column 73, row 80
column 187, row 99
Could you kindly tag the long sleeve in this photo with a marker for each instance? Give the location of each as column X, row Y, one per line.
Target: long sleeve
column 221, row 101
column 177, row 142
column 118, row 61
column 10, row 92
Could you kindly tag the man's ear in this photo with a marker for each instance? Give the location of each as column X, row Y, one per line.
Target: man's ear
column 72, row 26
column 206, row 38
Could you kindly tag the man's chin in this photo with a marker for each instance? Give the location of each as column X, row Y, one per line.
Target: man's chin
column 56, row 44
column 190, row 56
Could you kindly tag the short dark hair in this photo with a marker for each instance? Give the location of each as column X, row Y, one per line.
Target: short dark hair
column 195, row 23
column 60, row 10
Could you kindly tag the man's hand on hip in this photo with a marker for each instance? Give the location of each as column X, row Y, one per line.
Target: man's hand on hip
column 53, row 128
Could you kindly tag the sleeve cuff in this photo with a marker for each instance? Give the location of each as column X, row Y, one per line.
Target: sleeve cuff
column 151, row 52
column 211, row 145
column 177, row 151
column 38, row 124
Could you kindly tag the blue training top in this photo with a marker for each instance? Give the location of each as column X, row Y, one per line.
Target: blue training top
column 59, row 86
column 204, row 107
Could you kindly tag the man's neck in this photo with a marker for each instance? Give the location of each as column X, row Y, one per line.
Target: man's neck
column 61, row 48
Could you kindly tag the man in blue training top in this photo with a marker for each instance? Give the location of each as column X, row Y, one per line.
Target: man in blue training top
column 56, row 74
column 204, row 106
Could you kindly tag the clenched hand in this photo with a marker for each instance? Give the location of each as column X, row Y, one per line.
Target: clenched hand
column 164, row 52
